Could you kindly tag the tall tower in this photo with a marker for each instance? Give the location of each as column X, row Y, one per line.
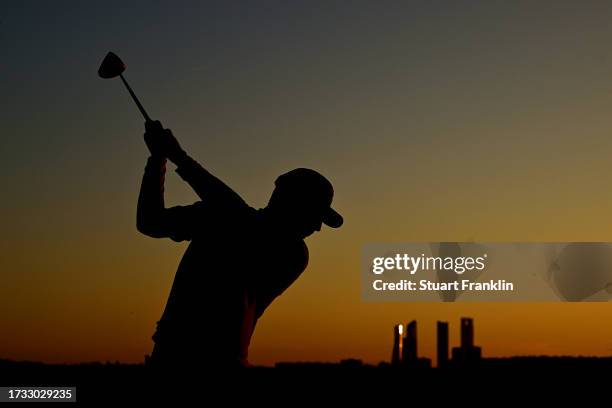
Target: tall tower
column 467, row 333
column 467, row 353
column 410, row 343
column 397, row 344
column 442, row 344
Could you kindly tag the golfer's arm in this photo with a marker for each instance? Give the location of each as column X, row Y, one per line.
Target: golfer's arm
column 151, row 209
column 205, row 185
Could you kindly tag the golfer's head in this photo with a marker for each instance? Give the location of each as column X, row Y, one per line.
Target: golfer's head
column 303, row 197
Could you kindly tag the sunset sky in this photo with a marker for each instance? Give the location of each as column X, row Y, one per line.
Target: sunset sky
column 435, row 120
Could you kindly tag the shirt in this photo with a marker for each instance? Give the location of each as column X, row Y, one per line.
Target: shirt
column 237, row 262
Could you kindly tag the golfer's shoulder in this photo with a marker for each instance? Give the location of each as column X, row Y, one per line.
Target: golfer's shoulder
column 228, row 213
column 295, row 263
column 226, row 203
column 303, row 255
column 296, row 255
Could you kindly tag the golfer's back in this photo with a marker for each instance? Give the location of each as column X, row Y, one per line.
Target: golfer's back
column 235, row 265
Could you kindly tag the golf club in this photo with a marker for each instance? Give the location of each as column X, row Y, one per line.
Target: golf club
column 111, row 67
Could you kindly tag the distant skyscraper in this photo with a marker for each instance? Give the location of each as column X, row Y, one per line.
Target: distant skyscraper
column 410, row 343
column 467, row 353
column 442, row 344
column 397, row 344
column 467, row 333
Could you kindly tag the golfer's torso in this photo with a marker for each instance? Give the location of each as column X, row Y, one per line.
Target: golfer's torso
column 228, row 275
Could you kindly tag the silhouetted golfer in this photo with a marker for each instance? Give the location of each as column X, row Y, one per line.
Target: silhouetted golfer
column 239, row 259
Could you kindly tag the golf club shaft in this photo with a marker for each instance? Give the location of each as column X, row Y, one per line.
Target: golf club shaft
column 142, row 110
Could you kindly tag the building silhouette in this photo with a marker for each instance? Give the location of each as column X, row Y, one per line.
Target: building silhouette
column 405, row 346
column 404, row 352
column 467, row 333
column 397, row 345
column 466, row 353
column 409, row 355
column 442, row 344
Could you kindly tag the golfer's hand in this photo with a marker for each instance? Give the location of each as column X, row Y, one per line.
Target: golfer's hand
column 162, row 143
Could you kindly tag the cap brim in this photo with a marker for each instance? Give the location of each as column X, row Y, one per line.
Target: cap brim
column 332, row 219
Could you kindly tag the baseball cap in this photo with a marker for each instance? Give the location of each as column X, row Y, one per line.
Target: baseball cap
column 314, row 189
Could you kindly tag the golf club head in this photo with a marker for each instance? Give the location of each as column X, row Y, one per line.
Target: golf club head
column 111, row 67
